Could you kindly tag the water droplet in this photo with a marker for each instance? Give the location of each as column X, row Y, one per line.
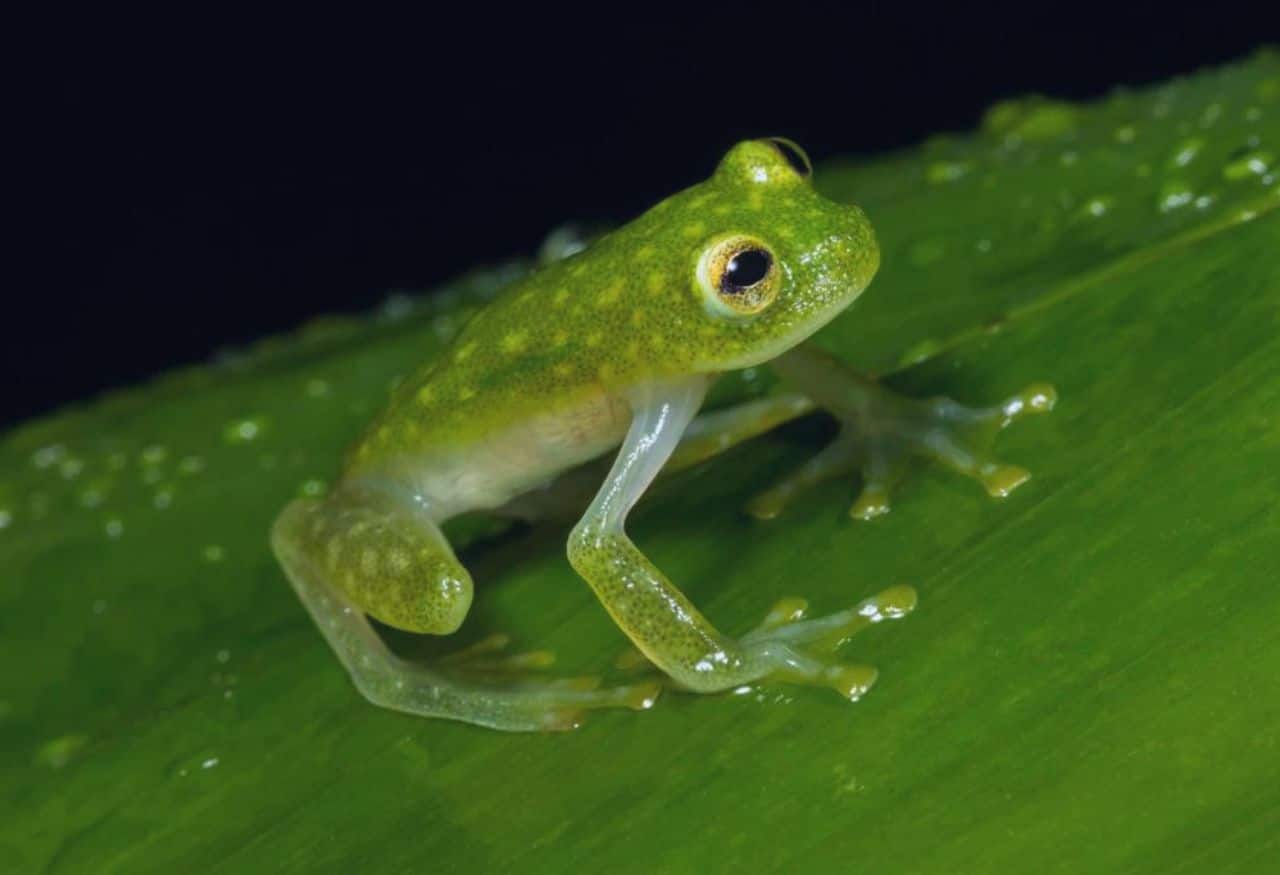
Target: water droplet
column 58, row 752
column 117, row 461
column 1254, row 163
column 983, row 246
column 1211, row 114
column 162, row 499
column 154, row 454
column 92, row 496
column 6, row 518
column 1068, row 159
column 1252, row 114
column 114, row 527
column 191, row 465
column 1126, row 134
column 209, row 763
column 317, row 388
column 46, row 457
column 446, row 325
column 243, row 431
column 397, row 306
column 223, row 656
column 99, row 607
column 1186, row 152
column 946, row 171
column 312, row 488
column 1033, row 119
column 1096, row 207
column 213, row 553
column 1175, row 194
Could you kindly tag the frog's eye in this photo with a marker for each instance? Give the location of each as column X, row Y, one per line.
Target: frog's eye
column 793, row 155
column 738, row 276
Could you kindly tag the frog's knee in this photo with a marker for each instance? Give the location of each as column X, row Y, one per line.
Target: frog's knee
column 394, row 565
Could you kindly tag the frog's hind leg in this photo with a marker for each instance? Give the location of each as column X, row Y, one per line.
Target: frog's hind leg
column 360, row 553
column 881, row 431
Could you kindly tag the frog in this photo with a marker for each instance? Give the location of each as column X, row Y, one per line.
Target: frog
column 593, row 369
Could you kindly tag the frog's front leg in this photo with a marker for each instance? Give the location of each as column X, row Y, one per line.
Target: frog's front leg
column 363, row 551
column 881, row 430
column 665, row 625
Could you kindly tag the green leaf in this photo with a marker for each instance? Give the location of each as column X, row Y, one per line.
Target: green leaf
column 1091, row 681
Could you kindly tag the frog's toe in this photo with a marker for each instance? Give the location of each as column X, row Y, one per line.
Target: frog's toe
column 787, row 620
column 488, row 655
column 962, row 437
column 563, row 703
column 801, row 648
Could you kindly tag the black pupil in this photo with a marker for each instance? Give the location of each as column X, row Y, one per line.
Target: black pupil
column 799, row 163
column 745, row 269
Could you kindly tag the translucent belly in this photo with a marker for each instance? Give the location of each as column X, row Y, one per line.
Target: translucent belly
column 489, row 472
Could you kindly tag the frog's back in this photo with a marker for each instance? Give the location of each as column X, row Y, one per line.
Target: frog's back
column 532, row 385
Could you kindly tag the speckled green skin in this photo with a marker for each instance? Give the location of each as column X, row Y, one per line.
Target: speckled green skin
column 617, row 344
column 627, row 310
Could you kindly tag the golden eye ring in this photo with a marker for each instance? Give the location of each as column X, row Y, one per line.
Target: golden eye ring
column 738, row 276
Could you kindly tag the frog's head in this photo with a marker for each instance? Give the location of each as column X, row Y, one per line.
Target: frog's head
column 776, row 261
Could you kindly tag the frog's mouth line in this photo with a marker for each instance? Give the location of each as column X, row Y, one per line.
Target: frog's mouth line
column 802, row 331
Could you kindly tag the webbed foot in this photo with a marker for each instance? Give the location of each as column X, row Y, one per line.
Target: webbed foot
column 880, row 432
column 800, row 650
column 803, row 649
column 559, row 703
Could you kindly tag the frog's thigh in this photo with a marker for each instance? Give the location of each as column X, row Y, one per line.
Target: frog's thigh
column 347, row 555
column 383, row 554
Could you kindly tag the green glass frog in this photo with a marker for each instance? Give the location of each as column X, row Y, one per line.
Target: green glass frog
column 615, row 345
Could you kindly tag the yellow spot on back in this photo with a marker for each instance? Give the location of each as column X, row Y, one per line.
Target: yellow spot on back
column 721, row 210
column 561, row 370
column 637, row 317
column 646, row 252
column 593, row 339
column 560, row 338
column 606, row 372
column 466, row 393
column 655, row 282
column 633, row 349
column 610, row 295
column 693, row 229
column 558, row 299
column 514, row 342
column 464, row 352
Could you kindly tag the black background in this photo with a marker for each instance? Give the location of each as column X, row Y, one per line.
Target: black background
column 192, row 184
